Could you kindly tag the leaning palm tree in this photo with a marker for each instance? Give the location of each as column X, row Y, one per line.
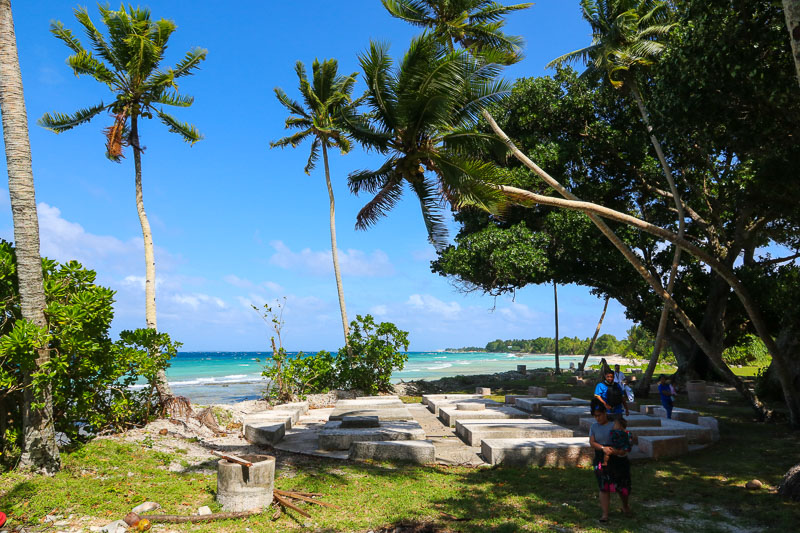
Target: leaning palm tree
column 129, row 63
column 422, row 116
column 39, row 437
column 475, row 24
column 326, row 98
column 625, row 41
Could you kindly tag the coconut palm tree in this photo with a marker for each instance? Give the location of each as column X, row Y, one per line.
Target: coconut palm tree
column 475, row 24
column 326, row 98
column 625, row 41
column 421, row 115
column 39, row 438
column 129, row 63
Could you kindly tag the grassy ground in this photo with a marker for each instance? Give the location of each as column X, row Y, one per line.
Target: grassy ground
column 701, row 492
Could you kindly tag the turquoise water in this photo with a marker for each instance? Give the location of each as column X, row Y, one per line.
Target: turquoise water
column 227, row 377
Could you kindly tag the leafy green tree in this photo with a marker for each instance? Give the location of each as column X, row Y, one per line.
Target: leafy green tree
column 129, row 62
column 791, row 10
column 40, row 449
column 420, row 115
column 474, row 24
column 327, row 98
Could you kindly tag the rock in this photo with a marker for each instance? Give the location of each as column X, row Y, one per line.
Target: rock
column 145, row 507
column 163, row 431
column 789, row 487
column 204, row 510
column 114, row 527
column 754, row 484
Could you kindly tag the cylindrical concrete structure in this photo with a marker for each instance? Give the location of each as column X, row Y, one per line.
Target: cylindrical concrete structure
column 698, row 392
column 241, row 488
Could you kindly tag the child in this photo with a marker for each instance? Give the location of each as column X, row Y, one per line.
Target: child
column 620, row 438
column 667, row 393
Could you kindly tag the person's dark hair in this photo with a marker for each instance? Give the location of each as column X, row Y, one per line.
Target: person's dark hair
column 596, row 407
column 662, row 376
column 622, row 422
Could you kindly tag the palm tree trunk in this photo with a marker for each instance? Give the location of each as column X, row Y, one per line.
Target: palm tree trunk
column 582, row 366
column 162, row 386
column 791, row 10
column 644, row 386
column 594, row 212
column 335, row 253
column 555, row 301
column 40, row 450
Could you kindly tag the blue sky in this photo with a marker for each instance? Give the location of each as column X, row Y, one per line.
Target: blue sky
column 236, row 223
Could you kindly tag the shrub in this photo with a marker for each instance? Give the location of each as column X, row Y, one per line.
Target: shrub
column 750, row 351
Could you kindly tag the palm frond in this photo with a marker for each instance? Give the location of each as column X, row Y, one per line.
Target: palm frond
column 174, row 99
column 57, row 28
column 85, row 63
column 98, row 41
column 370, row 181
column 187, row 131
column 292, row 105
column 430, row 204
column 412, row 11
column 313, row 156
column 292, row 140
column 387, row 197
column 376, row 64
column 190, row 62
column 60, row 122
column 582, row 55
column 495, row 12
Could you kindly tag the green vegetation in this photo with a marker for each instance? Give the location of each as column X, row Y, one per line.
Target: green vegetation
column 606, row 344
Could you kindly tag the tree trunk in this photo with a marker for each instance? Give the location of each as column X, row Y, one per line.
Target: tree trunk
column 162, row 386
column 40, row 450
column 791, row 10
column 594, row 212
column 555, row 300
column 644, row 386
column 582, row 366
column 335, row 253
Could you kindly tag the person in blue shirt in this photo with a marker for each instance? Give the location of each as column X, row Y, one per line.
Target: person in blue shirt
column 601, row 394
column 615, row 475
column 667, row 394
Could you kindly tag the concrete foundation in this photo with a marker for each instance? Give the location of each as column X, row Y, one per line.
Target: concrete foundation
column 413, row 451
column 333, row 437
column 351, row 422
column 465, row 406
column 649, row 409
column 711, row 423
column 264, row 433
column 537, row 392
column 694, row 434
column 663, row 447
column 572, row 451
column 435, row 404
column 384, row 414
column 559, row 396
column 449, row 415
column 288, row 417
column 682, row 415
column 569, row 416
column 483, row 391
column 534, row 405
column 241, row 488
column 426, row 398
column 634, row 420
column 472, row 432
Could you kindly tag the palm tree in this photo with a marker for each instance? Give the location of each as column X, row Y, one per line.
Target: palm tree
column 129, row 64
column 625, row 41
column 421, row 115
column 39, row 438
column 582, row 365
column 475, row 24
column 555, row 304
column 326, row 98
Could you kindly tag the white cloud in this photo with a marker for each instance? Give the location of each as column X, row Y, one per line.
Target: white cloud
column 518, row 312
column 194, row 301
column 236, row 281
column 427, row 255
column 430, row 304
column 379, row 310
column 352, row 262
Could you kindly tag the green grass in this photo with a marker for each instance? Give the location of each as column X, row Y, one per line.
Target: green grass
column 700, row 492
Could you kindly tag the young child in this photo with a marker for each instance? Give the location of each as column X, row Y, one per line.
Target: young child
column 620, row 438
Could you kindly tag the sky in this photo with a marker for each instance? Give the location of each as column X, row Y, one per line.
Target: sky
column 236, row 223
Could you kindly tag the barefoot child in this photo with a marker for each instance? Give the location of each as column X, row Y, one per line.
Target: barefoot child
column 620, row 438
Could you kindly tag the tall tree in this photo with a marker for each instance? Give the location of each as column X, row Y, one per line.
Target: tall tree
column 555, row 307
column 40, row 450
column 791, row 10
column 582, row 366
column 421, row 115
column 626, row 40
column 128, row 62
column 326, row 99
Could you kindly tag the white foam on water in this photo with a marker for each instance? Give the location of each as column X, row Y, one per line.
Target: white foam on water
column 439, row 367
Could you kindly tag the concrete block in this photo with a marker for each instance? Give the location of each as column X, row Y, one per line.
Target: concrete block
column 483, row 391
column 694, row 434
column 289, row 418
column 569, row 416
column 465, row 406
column 388, row 397
column 682, row 415
column 473, row 432
column 426, row 398
column 649, row 409
column 434, row 404
column 522, row 369
column 711, row 423
column 390, row 403
column 383, row 414
column 512, row 398
column 634, row 420
column 264, row 433
column 413, row 451
column 301, row 407
column 537, row 392
column 568, row 451
column 559, row 396
column 664, row 446
column 633, row 407
column 333, row 437
column 350, row 422
column 449, row 415
column 241, row 488
column 534, row 405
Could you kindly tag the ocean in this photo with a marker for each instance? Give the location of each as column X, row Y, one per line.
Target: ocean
column 228, row 377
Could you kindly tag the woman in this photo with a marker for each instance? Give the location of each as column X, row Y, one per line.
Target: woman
column 616, row 475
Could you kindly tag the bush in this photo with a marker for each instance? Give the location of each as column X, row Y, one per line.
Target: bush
column 90, row 375
column 750, row 351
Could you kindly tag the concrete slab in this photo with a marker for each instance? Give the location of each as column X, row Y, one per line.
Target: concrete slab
column 634, row 420
column 390, row 403
column 678, row 413
column 694, row 434
column 569, row 416
column 537, row 392
column 289, row 418
column 711, row 423
column 449, row 415
column 435, row 404
column 534, row 405
column 472, row 432
column 379, row 397
column 333, row 437
column 571, row 451
column 384, row 414
column 303, row 438
column 450, row 450
column 413, row 451
column 350, row 422
column 511, row 399
column 466, row 406
column 559, row 396
column 427, row 397
column 649, row 409
column 664, row 446
column 302, row 407
column 264, row 433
